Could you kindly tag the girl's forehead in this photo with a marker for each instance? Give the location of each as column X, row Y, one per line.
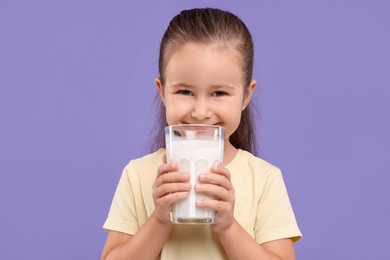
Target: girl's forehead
column 204, row 51
column 204, row 63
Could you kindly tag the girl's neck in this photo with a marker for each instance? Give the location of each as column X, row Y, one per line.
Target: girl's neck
column 229, row 152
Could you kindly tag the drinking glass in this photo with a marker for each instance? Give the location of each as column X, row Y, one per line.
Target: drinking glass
column 196, row 148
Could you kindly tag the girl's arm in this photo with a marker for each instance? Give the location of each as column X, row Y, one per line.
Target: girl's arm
column 240, row 245
column 236, row 241
column 169, row 187
column 147, row 243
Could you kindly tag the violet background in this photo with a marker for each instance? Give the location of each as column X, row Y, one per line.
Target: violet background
column 76, row 94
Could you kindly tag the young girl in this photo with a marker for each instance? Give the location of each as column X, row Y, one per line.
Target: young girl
column 205, row 65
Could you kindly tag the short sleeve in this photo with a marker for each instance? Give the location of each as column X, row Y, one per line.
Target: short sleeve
column 275, row 217
column 122, row 216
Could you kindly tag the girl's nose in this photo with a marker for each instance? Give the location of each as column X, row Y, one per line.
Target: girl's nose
column 201, row 110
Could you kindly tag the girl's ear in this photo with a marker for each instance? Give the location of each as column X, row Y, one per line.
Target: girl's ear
column 160, row 89
column 248, row 93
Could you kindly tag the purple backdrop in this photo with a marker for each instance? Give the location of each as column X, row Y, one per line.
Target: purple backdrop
column 76, row 88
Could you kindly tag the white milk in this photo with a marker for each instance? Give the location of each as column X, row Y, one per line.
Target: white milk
column 194, row 157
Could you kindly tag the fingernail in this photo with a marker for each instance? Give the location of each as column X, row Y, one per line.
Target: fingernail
column 198, row 187
column 202, row 176
column 199, row 202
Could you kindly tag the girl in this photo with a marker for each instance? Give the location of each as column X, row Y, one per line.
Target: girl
column 205, row 65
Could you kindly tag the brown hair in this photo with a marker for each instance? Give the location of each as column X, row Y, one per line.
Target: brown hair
column 208, row 26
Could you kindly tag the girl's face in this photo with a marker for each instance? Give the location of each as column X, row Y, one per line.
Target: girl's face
column 204, row 85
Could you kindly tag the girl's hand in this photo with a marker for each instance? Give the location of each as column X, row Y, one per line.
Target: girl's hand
column 217, row 184
column 169, row 187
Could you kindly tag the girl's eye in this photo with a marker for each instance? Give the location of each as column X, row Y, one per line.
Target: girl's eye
column 219, row 94
column 184, row 92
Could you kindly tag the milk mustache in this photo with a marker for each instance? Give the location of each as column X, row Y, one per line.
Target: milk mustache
column 195, row 154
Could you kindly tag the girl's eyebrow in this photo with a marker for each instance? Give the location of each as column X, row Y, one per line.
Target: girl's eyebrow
column 181, row 84
column 225, row 86
column 214, row 86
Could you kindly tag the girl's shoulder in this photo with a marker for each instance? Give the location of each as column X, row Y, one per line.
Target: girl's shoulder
column 246, row 160
column 150, row 159
column 146, row 164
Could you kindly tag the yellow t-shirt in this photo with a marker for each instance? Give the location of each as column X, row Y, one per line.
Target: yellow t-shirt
column 262, row 207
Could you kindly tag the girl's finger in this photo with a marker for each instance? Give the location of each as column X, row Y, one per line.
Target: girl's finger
column 216, row 179
column 171, row 177
column 166, row 167
column 215, row 191
column 221, row 207
column 168, row 188
column 221, row 170
column 164, row 158
column 219, row 176
column 171, row 198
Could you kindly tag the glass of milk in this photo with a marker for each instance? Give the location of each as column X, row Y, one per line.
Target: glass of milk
column 196, row 148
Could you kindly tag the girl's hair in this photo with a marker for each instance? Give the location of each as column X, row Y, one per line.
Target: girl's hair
column 209, row 26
